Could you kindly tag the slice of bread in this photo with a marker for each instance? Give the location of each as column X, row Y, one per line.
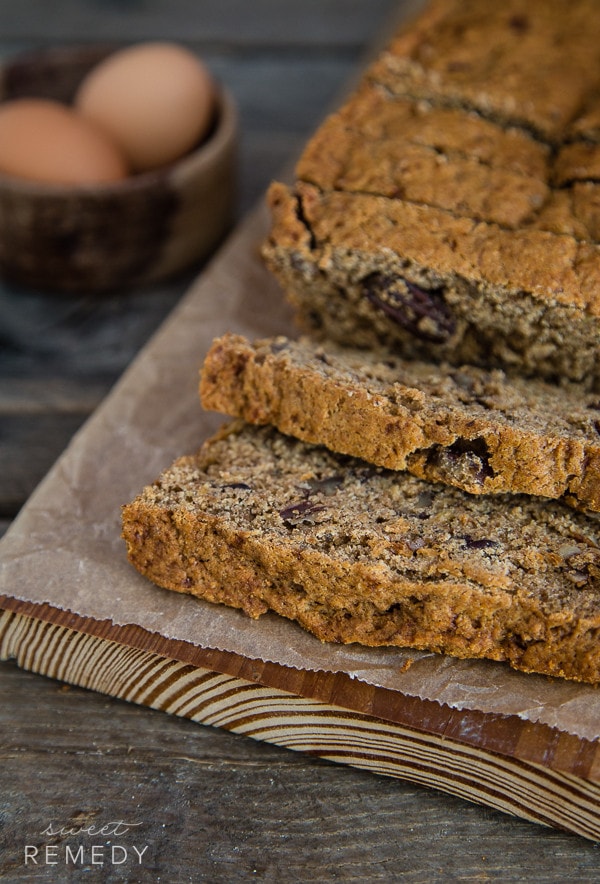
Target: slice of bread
column 355, row 553
column 474, row 429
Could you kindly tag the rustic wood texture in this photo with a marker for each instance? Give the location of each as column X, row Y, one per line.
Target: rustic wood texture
column 531, row 771
column 212, row 806
column 218, row 807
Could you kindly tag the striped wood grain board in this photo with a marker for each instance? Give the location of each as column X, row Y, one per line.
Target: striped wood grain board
column 532, row 771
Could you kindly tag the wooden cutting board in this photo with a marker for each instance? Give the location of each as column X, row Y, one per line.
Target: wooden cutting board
column 501, row 760
column 530, row 770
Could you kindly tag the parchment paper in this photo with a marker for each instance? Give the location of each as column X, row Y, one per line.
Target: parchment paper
column 65, row 546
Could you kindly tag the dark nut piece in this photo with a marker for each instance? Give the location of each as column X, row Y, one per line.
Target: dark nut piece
column 423, row 313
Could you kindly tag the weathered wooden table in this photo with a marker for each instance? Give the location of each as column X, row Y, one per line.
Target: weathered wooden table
column 202, row 804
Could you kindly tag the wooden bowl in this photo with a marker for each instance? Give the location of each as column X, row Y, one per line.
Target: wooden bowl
column 100, row 237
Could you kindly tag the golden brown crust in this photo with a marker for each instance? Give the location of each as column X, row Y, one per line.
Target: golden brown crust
column 474, row 429
column 423, row 153
column 528, row 64
column 453, row 159
column 259, row 521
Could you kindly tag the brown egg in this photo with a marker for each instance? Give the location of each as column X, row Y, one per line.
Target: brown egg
column 156, row 100
column 45, row 141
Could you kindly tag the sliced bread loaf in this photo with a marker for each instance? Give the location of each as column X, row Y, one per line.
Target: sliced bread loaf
column 450, row 207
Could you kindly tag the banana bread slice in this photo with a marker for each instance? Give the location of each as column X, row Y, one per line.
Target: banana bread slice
column 353, row 553
column 477, row 430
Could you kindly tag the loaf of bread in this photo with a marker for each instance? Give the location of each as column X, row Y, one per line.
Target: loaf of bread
column 450, row 209
column 354, row 553
column 475, row 429
column 399, row 476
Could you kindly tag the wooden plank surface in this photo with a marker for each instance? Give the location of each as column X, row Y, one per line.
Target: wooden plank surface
column 533, row 771
column 212, row 806
column 218, row 807
column 266, row 23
